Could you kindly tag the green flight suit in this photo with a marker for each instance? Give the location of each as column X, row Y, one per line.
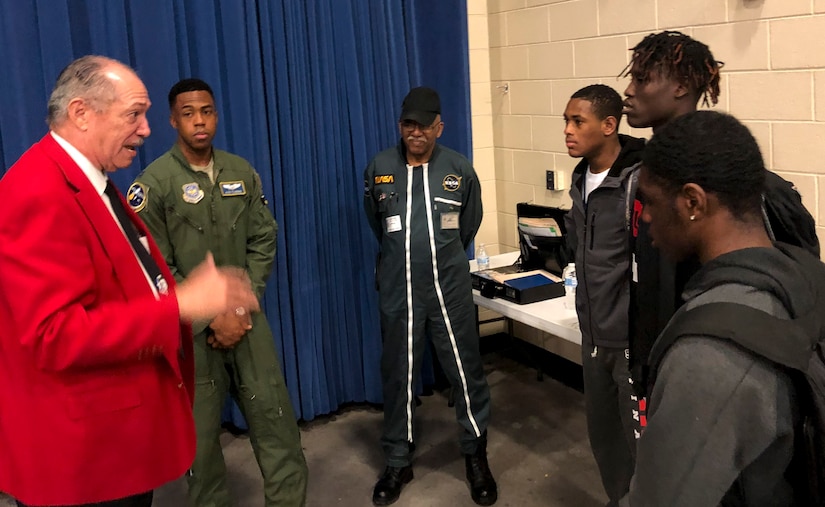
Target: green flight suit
column 189, row 216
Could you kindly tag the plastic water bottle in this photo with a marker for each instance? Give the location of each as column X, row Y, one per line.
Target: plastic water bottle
column 570, row 284
column 482, row 259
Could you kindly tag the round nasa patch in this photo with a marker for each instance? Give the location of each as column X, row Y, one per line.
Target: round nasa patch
column 451, row 183
column 137, row 196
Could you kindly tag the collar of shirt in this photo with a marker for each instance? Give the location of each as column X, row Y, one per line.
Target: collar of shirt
column 97, row 177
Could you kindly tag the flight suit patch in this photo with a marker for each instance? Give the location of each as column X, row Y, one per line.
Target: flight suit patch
column 394, row 223
column 231, row 188
column 451, row 183
column 136, row 195
column 192, row 193
column 449, row 220
column 384, row 178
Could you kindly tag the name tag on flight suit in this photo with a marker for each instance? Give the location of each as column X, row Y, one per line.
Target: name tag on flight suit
column 449, row 220
column 394, row 223
column 230, row 188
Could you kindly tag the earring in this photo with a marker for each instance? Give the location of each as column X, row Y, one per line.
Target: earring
column 692, row 218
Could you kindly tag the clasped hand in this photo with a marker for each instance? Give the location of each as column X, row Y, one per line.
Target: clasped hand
column 228, row 328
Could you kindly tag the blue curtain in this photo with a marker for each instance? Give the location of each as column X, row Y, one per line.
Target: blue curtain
column 308, row 92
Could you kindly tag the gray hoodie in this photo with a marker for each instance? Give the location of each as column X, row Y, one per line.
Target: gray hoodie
column 721, row 419
column 598, row 235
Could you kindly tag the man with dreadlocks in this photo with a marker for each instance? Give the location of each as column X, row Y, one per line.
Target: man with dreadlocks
column 670, row 72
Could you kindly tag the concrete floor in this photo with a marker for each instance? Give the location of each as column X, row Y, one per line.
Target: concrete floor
column 538, row 451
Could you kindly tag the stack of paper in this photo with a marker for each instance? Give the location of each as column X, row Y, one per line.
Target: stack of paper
column 542, row 227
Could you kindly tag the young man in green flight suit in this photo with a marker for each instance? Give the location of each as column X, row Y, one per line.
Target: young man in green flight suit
column 197, row 199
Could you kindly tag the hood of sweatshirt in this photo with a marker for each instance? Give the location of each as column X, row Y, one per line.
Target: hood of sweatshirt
column 629, row 156
column 784, row 271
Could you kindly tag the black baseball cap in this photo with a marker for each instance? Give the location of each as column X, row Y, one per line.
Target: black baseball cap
column 421, row 105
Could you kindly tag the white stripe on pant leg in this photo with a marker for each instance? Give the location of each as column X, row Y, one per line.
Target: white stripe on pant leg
column 443, row 307
column 408, row 278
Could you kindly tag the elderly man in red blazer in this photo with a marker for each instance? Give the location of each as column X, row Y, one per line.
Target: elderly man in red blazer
column 96, row 367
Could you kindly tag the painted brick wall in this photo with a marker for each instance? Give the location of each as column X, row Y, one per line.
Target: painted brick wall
column 544, row 50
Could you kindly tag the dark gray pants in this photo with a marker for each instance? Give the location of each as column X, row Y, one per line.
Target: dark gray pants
column 609, row 405
column 455, row 341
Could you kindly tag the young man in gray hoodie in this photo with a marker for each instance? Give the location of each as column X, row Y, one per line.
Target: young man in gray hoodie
column 722, row 420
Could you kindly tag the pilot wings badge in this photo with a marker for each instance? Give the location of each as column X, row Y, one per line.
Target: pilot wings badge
column 230, row 188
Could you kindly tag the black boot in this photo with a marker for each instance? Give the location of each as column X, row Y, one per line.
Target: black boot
column 482, row 485
column 388, row 488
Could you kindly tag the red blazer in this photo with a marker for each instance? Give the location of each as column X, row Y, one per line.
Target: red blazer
column 95, row 400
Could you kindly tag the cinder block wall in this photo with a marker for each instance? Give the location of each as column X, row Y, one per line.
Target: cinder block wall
column 528, row 56
column 482, row 121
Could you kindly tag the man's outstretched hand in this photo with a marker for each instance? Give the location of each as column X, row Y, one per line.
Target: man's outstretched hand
column 209, row 291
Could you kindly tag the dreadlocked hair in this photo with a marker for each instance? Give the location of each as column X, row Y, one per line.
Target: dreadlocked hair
column 674, row 54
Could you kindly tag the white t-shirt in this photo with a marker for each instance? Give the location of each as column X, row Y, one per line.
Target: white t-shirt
column 592, row 181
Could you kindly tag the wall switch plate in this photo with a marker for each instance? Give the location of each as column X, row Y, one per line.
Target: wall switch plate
column 556, row 180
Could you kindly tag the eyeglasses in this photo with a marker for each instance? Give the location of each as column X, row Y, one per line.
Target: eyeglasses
column 410, row 126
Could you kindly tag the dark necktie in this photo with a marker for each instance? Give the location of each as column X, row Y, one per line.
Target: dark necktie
column 131, row 231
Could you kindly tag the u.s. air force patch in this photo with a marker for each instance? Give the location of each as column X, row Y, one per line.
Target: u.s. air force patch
column 137, row 196
column 192, row 193
column 451, row 183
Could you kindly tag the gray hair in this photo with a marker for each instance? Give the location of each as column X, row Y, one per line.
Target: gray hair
column 83, row 78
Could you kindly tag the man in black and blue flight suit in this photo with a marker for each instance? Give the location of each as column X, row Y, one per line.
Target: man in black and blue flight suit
column 423, row 201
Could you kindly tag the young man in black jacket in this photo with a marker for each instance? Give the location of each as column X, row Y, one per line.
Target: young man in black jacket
column 669, row 72
column 598, row 233
column 722, row 419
